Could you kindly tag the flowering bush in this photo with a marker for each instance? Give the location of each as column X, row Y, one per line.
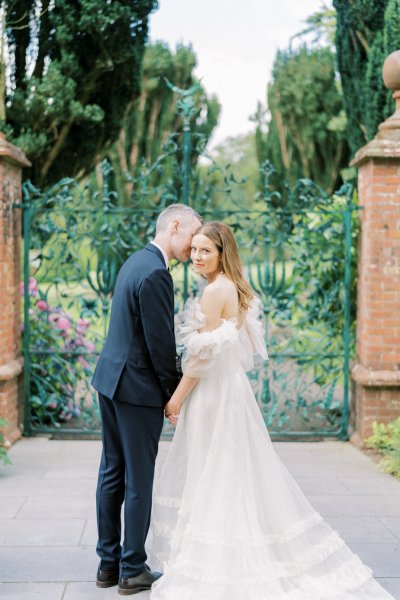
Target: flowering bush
column 61, row 359
column 3, row 452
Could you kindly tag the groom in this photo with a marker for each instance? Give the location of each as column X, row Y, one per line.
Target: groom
column 135, row 377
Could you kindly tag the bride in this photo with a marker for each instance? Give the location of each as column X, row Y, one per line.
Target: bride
column 228, row 520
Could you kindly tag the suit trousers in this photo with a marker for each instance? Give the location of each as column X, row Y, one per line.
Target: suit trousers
column 130, row 436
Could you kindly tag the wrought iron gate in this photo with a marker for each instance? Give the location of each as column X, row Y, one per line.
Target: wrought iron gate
column 297, row 250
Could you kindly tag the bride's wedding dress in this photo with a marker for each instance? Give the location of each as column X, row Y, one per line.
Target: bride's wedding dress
column 228, row 520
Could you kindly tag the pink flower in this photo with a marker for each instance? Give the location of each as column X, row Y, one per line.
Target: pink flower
column 63, row 323
column 82, row 325
column 83, row 362
column 42, row 305
column 90, row 346
column 32, row 287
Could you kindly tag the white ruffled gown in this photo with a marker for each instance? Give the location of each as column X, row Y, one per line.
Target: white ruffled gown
column 228, row 520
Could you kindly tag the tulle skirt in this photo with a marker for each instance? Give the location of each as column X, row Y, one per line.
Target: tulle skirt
column 228, row 520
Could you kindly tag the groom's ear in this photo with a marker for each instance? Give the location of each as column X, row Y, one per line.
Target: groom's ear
column 174, row 226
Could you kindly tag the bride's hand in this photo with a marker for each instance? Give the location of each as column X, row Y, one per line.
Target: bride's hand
column 174, row 405
column 172, row 410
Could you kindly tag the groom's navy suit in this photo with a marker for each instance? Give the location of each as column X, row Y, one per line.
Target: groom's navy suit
column 135, row 376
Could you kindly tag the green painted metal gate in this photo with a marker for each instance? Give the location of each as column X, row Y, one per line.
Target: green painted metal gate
column 297, row 251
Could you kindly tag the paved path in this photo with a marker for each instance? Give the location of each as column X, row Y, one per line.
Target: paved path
column 47, row 514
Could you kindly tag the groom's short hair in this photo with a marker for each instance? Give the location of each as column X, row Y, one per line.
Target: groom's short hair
column 182, row 212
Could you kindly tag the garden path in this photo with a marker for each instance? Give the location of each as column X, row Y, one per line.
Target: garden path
column 48, row 528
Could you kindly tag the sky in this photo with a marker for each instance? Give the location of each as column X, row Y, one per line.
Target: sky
column 235, row 42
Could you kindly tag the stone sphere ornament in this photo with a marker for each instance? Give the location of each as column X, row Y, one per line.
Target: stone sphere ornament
column 391, row 71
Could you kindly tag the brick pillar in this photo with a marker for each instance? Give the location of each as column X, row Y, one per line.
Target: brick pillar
column 377, row 372
column 11, row 162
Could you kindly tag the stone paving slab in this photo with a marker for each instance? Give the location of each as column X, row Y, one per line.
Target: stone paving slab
column 41, row 532
column 29, row 591
column 48, row 564
column 337, row 469
column 11, row 505
column 383, row 558
column 62, row 507
column 73, row 471
column 393, row 524
column 356, row 505
column 367, row 485
column 56, row 486
column 65, row 487
column 48, row 527
column 362, row 529
column 89, row 536
column 322, row 485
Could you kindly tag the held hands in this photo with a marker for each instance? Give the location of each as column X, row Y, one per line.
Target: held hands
column 172, row 410
column 173, row 406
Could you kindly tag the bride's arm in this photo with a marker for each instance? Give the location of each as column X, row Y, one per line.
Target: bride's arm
column 212, row 304
column 173, row 406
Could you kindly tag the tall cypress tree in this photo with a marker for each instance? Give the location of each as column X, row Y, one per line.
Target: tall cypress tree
column 367, row 31
column 73, row 67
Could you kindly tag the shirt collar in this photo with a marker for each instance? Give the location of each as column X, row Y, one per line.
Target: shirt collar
column 162, row 252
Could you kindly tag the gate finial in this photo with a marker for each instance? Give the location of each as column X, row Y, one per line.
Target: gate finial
column 390, row 129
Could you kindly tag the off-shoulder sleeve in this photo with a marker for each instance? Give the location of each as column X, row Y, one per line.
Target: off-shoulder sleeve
column 252, row 336
column 199, row 350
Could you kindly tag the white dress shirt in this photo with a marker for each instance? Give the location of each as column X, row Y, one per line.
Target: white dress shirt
column 162, row 251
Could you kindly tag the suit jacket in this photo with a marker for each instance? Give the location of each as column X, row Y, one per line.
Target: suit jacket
column 137, row 364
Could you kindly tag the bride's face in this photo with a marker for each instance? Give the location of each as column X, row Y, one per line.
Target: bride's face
column 205, row 256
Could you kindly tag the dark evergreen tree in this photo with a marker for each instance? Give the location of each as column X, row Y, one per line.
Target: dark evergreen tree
column 73, row 68
column 367, row 31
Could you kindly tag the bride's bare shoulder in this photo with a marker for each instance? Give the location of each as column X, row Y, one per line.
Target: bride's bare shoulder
column 221, row 288
column 220, row 298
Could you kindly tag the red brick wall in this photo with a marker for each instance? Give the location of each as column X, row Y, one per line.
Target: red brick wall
column 380, row 404
column 378, row 303
column 378, row 334
column 10, row 303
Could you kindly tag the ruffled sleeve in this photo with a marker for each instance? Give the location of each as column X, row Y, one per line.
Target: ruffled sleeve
column 252, row 337
column 199, row 350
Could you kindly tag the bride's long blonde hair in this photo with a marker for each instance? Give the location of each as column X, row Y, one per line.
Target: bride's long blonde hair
column 222, row 236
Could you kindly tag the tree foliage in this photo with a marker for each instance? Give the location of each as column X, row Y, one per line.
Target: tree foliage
column 73, row 66
column 367, row 31
column 306, row 126
column 153, row 117
column 321, row 25
column 239, row 153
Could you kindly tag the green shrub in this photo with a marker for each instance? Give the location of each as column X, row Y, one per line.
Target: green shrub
column 385, row 439
column 61, row 358
column 3, row 452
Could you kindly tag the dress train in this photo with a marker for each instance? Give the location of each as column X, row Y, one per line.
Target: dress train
column 229, row 522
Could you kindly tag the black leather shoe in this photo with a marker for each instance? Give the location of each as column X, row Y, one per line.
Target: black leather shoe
column 106, row 579
column 140, row 583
